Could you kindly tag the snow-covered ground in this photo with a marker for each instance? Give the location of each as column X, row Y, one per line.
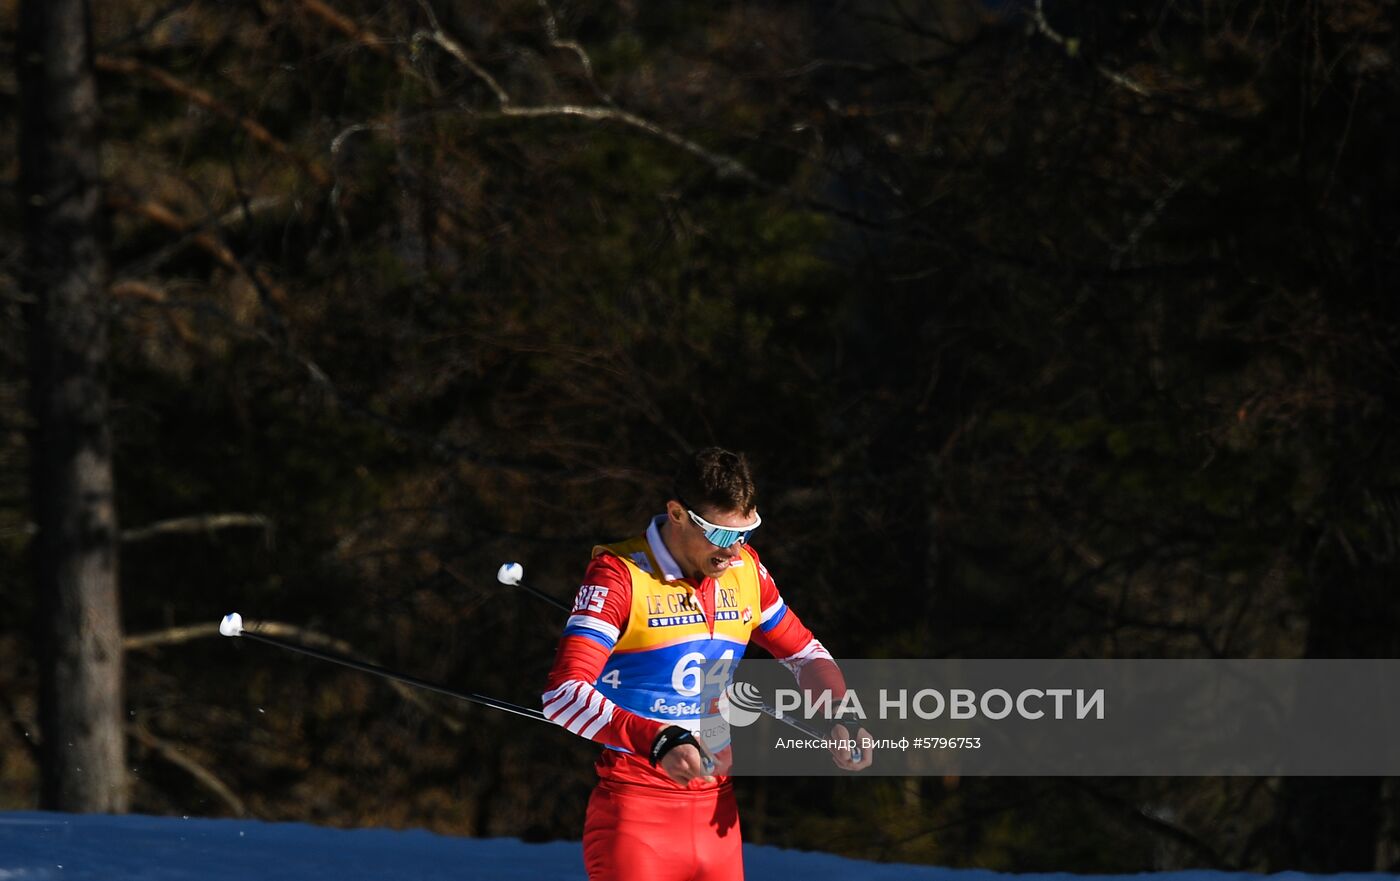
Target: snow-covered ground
column 71, row 847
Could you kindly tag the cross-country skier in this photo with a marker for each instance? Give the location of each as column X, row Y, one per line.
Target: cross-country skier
column 655, row 617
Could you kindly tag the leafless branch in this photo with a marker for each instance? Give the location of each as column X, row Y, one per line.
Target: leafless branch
column 201, row 523
column 254, row 129
column 246, row 211
column 205, row 238
column 726, row 166
column 1071, row 46
column 150, row 24
column 551, row 29
column 190, row 632
column 169, row 636
column 337, row 143
column 206, row 778
column 201, row 233
column 347, row 26
column 361, row 36
column 453, row 48
column 1145, row 222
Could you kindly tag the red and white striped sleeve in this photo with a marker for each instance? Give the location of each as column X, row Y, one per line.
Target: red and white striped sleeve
column 600, row 612
column 783, row 635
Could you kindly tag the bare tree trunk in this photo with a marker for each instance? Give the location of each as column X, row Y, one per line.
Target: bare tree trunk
column 79, row 626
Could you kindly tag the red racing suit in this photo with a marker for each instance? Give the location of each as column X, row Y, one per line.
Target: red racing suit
column 646, row 647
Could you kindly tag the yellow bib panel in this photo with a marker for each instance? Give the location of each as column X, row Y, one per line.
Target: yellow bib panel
column 669, row 664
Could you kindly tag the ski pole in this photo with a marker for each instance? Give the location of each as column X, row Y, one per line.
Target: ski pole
column 232, row 625
column 512, row 575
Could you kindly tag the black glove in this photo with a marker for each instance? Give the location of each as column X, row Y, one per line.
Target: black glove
column 671, row 737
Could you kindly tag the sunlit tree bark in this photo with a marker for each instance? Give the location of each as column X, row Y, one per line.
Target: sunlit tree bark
column 79, row 628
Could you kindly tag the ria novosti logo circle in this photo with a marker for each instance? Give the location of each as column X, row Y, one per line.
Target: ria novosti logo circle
column 741, row 704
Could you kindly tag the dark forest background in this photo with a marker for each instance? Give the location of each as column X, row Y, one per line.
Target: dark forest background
column 1061, row 330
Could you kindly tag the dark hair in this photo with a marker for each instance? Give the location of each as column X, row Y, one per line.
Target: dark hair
column 716, row 479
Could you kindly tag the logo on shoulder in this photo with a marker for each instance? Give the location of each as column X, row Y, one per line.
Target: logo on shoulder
column 590, row 598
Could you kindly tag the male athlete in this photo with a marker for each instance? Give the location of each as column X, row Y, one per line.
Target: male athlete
column 655, row 617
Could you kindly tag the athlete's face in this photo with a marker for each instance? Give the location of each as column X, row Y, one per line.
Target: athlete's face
column 686, row 540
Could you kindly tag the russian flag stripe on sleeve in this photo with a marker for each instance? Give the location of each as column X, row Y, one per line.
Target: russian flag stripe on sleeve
column 771, row 616
column 596, row 629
